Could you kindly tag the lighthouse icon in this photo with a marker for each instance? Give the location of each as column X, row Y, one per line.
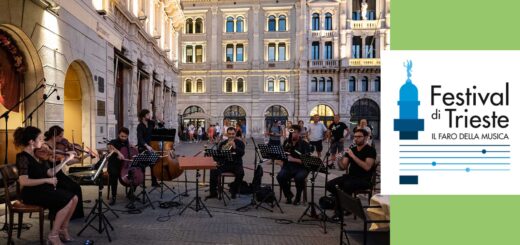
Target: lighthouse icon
column 408, row 123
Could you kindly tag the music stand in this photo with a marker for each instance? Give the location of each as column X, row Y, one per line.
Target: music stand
column 162, row 135
column 143, row 160
column 256, row 185
column 97, row 210
column 221, row 157
column 273, row 152
column 314, row 165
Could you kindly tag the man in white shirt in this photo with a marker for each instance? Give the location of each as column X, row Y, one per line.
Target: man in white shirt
column 316, row 132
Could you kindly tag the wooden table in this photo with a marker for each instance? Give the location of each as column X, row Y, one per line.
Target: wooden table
column 196, row 163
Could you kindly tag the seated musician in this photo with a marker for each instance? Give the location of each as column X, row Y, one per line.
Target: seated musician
column 38, row 184
column 358, row 161
column 293, row 167
column 114, row 162
column 237, row 147
column 52, row 138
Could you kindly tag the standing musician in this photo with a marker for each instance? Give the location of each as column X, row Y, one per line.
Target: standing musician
column 236, row 147
column 144, row 136
column 114, row 162
column 39, row 184
column 295, row 146
column 52, row 137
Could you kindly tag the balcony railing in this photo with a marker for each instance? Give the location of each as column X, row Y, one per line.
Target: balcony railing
column 324, row 33
column 365, row 24
column 364, row 62
column 323, row 63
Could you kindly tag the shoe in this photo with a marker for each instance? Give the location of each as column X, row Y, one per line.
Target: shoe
column 296, row 202
column 112, row 201
column 65, row 237
column 233, row 195
column 53, row 240
column 289, row 200
column 156, row 184
column 212, row 195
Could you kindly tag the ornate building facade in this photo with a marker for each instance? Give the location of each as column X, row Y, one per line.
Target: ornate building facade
column 106, row 59
column 254, row 62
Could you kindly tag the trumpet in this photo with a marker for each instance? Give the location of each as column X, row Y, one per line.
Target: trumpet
column 227, row 146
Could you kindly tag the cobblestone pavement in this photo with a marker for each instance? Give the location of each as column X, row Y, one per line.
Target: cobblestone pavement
column 227, row 226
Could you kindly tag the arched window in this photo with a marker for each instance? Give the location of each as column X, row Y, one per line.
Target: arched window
column 229, row 85
column 198, row 54
column 321, row 85
column 199, row 86
column 326, row 113
column 377, row 84
column 281, row 52
column 315, row 21
column 270, row 85
column 189, row 54
column 328, row 21
column 198, row 25
column 314, row 85
column 189, row 25
column 229, row 53
column 282, row 23
column 328, row 85
column 240, row 24
column 240, row 52
column 240, row 85
column 230, row 24
column 364, row 84
column 188, row 86
column 282, row 85
column 271, row 24
column 352, row 84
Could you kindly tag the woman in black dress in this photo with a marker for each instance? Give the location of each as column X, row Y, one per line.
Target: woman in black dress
column 52, row 136
column 39, row 185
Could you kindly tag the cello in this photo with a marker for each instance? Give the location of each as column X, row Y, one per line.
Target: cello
column 167, row 167
column 130, row 176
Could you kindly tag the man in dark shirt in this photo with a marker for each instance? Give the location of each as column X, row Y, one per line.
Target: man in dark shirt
column 144, row 137
column 337, row 133
column 293, row 167
column 237, row 148
column 359, row 161
column 115, row 161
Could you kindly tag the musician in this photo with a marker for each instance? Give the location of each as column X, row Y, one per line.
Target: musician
column 115, row 161
column 358, row 160
column 293, row 167
column 39, row 186
column 53, row 137
column 236, row 147
column 144, row 136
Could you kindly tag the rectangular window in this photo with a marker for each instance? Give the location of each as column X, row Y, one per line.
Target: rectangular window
column 328, row 50
column 356, row 47
column 229, row 53
column 282, row 85
column 270, row 85
column 198, row 54
column 240, row 52
column 189, row 54
column 315, row 51
column 271, row 52
column 281, row 52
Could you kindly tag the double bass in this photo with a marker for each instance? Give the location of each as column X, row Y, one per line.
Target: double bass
column 167, row 167
column 130, row 176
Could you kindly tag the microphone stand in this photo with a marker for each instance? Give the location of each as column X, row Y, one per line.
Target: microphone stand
column 6, row 116
column 45, row 97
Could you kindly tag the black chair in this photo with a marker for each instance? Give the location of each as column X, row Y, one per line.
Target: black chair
column 353, row 204
column 15, row 205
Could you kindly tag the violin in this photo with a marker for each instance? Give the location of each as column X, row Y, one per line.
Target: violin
column 65, row 145
column 46, row 154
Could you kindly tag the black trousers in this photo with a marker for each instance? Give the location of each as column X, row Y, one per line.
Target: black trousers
column 348, row 184
column 288, row 172
column 66, row 183
column 214, row 174
column 114, row 171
